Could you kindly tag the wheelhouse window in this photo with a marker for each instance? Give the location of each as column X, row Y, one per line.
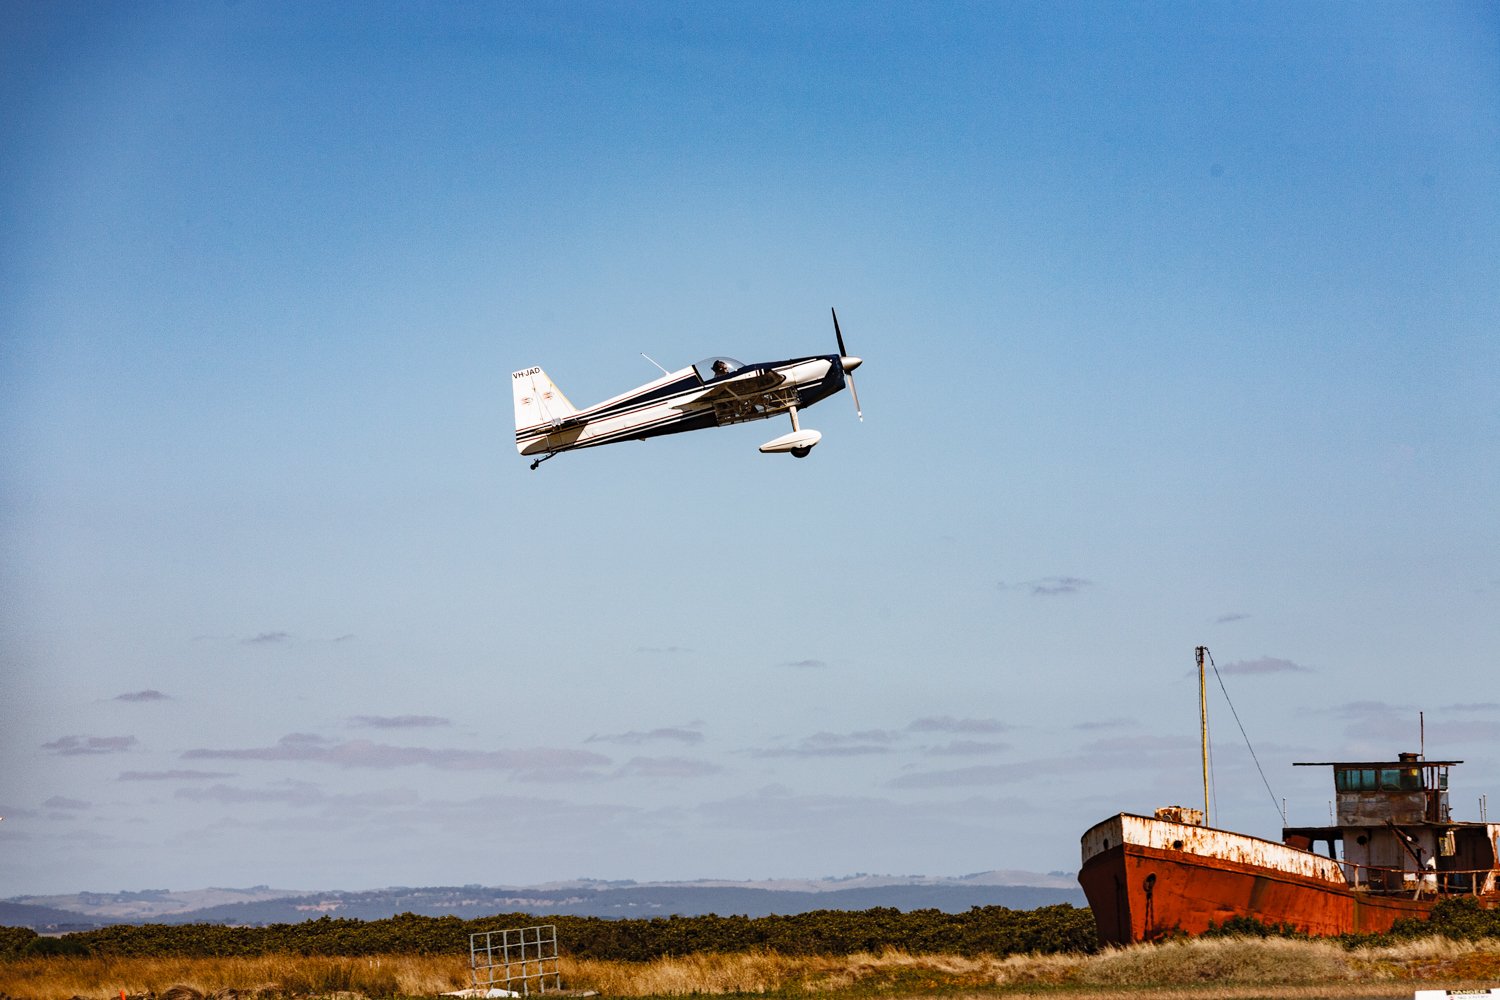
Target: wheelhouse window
column 1384, row 779
column 720, row 367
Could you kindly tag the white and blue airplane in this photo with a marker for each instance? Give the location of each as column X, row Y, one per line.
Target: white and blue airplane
column 714, row 392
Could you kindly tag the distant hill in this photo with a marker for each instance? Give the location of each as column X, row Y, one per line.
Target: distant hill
column 44, row 917
column 146, row 905
column 581, row 898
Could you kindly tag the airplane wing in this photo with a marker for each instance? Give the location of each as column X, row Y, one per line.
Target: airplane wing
column 752, row 396
column 743, row 387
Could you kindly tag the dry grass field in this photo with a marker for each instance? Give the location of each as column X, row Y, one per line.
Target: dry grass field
column 1214, row 969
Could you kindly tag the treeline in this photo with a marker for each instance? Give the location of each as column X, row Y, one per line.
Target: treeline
column 992, row 930
column 983, row 930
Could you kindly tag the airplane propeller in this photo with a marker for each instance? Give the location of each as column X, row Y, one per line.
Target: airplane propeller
column 847, row 363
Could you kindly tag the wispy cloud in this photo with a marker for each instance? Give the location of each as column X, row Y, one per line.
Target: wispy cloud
column 150, row 694
column 668, row 767
column 806, row 664
column 1055, row 585
column 70, row 805
column 949, row 724
column 963, row 777
column 1140, row 752
column 538, row 764
column 550, row 814
column 1138, row 746
column 1477, row 706
column 663, row 649
column 967, row 748
column 179, row 775
column 1370, row 725
column 1050, row 586
column 676, row 734
column 857, row 744
column 966, row 727
column 391, row 808
column 1233, row 616
column 296, row 793
column 1264, row 665
column 1474, row 730
column 775, row 810
column 1119, row 722
column 267, row 638
column 1367, row 709
column 81, row 746
column 398, row 721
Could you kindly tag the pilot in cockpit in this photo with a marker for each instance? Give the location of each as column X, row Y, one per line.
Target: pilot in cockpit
column 721, row 367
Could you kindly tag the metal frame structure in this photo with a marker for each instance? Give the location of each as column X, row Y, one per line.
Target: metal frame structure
column 522, row 960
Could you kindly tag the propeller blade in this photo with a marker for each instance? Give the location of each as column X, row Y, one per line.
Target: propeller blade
column 847, row 363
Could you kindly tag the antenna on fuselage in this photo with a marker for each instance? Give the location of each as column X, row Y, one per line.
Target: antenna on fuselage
column 653, row 361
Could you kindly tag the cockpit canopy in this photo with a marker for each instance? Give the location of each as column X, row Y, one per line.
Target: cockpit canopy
column 711, row 368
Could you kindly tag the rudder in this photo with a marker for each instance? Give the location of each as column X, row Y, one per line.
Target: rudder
column 538, row 400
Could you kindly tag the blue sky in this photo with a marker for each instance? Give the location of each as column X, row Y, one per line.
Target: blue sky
column 1179, row 324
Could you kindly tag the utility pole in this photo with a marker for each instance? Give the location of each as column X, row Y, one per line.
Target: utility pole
column 1203, row 728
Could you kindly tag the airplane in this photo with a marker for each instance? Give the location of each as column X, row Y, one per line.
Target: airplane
column 712, row 393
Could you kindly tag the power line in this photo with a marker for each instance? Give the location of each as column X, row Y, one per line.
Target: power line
column 1237, row 722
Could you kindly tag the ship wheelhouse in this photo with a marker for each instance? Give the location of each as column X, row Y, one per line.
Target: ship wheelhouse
column 1393, row 830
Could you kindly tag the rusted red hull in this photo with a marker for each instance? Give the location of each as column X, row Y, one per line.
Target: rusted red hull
column 1142, row 893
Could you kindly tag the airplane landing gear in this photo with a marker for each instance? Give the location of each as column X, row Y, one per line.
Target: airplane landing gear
column 799, row 442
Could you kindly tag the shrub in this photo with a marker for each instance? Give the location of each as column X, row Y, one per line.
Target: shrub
column 1243, row 926
column 1458, row 917
column 983, row 930
column 67, row 945
column 14, row 939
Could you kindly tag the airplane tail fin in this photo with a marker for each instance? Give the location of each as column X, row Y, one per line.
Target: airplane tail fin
column 538, row 400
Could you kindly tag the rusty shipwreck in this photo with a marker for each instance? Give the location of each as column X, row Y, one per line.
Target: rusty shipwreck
column 1392, row 852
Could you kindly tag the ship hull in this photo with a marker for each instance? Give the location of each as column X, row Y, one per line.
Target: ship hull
column 1148, row 879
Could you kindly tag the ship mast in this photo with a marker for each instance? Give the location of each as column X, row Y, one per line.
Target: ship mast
column 1203, row 728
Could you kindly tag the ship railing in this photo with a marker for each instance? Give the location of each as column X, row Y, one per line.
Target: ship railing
column 1429, row 882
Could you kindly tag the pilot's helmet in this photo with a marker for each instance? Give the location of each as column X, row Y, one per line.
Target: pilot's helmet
column 721, row 366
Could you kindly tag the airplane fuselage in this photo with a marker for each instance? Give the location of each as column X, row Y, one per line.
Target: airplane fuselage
column 690, row 399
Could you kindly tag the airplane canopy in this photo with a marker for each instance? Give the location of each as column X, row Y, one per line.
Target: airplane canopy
column 717, row 367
